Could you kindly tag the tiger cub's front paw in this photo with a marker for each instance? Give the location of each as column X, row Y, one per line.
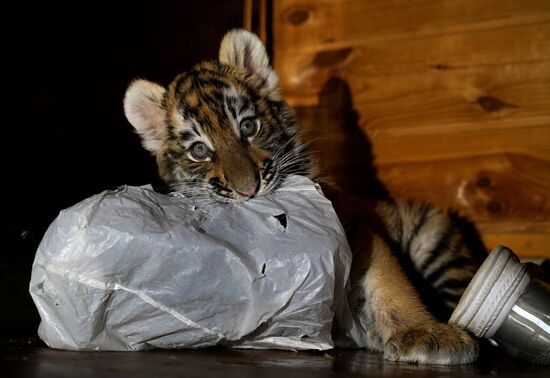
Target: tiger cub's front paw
column 442, row 344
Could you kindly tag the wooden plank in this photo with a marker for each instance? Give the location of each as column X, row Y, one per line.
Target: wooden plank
column 485, row 188
column 466, row 67
column 533, row 141
column 312, row 25
column 491, row 98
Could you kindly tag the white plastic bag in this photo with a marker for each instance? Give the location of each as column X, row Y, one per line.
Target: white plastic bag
column 133, row 269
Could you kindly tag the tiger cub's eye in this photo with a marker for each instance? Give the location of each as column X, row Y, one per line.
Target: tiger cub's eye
column 199, row 151
column 248, row 127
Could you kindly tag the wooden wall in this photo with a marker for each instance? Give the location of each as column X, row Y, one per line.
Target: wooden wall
column 449, row 99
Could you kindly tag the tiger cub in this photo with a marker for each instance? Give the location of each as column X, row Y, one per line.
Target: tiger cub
column 222, row 132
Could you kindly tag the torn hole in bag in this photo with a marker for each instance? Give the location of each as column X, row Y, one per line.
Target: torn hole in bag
column 262, row 270
column 281, row 218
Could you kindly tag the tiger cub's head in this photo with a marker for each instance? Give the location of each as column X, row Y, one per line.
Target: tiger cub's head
column 221, row 131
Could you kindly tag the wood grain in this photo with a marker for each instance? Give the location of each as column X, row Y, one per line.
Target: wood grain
column 445, row 101
column 313, row 25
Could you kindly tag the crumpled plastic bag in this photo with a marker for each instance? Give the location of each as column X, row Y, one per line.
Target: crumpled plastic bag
column 133, row 269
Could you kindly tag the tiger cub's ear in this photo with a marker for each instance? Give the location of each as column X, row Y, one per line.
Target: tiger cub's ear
column 144, row 110
column 244, row 49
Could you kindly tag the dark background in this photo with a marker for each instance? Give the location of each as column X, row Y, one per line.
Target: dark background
column 65, row 136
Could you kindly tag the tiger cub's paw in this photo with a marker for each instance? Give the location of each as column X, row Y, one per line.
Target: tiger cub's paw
column 442, row 344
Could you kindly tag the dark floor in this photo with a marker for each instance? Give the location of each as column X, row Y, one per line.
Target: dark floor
column 34, row 360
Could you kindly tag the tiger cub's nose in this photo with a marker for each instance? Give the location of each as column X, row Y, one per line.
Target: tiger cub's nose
column 250, row 192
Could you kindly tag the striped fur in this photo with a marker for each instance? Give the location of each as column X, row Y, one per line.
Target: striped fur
column 222, row 132
column 429, row 241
